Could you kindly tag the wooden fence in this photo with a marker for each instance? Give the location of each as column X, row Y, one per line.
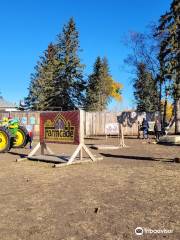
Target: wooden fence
column 94, row 122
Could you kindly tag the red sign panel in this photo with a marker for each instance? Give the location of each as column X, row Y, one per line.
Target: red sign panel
column 60, row 127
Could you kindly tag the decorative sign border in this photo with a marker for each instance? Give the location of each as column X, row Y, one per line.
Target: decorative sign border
column 60, row 127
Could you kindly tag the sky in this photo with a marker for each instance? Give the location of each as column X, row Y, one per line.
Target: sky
column 27, row 27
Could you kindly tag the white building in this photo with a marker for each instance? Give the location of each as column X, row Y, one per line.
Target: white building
column 6, row 106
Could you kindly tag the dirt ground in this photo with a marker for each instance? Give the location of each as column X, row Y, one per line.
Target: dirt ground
column 137, row 186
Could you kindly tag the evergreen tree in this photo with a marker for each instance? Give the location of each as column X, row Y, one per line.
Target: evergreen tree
column 169, row 31
column 42, row 86
column 99, row 87
column 70, row 84
column 51, row 70
column 146, row 94
column 35, row 91
column 58, row 79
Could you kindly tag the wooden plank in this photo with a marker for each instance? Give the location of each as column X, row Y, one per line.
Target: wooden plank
column 81, row 133
column 21, row 159
column 81, row 154
column 89, row 153
column 75, row 162
column 84, row 160
column 48, row 158
column 33, row 152
column 105, row 147
column 74, row 154
column 122, row 136
column 49, row 150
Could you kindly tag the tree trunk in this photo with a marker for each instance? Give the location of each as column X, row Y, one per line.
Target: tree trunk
column 177, row 116
column 160, row 98
column 165, row 112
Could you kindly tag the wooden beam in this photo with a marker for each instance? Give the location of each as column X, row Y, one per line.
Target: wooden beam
column 89, row 153
column 74, row 154
column 33, row 152
column 21, row 159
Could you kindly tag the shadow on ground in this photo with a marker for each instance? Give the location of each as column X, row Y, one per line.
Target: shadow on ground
column 136, row 157
column 21, row 155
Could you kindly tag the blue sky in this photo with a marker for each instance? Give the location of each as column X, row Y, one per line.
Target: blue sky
column 27, row 27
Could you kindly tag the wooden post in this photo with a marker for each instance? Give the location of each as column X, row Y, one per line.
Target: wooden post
column 81, row 133
column 81, row 127
column 122, row 136
column 81, row 154
column 42, row 148
column 119, row 134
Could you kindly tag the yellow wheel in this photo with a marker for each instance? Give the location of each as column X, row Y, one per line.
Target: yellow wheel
column 5, row 140
column 21, row 138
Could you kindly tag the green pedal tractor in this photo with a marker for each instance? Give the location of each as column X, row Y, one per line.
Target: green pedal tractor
column 12, row 135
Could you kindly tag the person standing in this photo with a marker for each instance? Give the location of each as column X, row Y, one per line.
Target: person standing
column 157, row 129
column 145, row 127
